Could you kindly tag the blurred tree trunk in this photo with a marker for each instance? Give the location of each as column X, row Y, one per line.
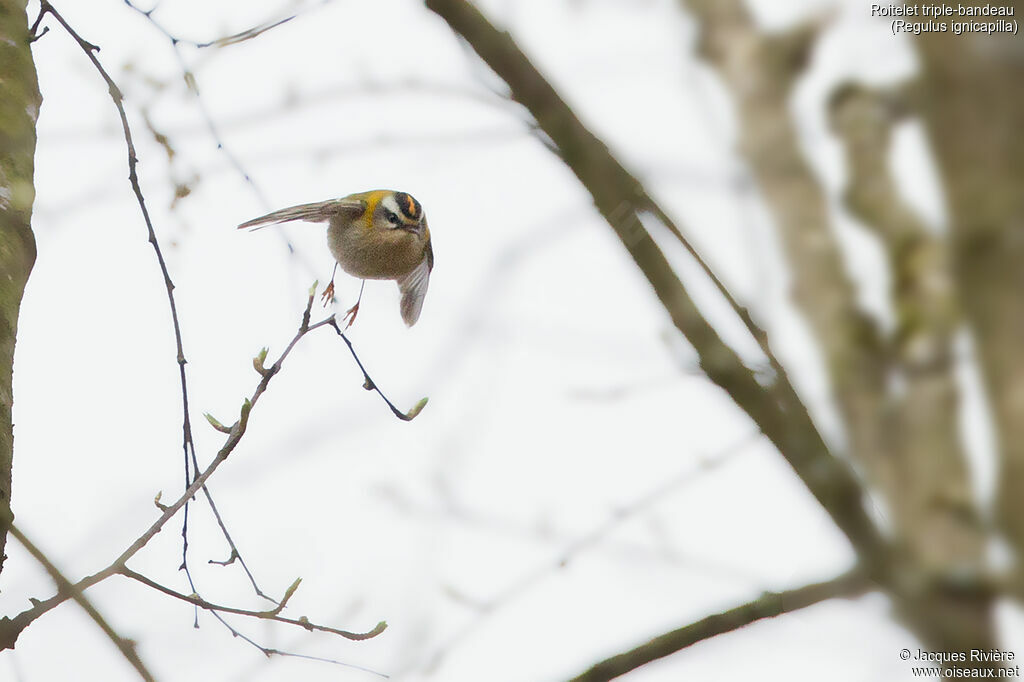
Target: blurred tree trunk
column 19, row 107
column 906, row 440
column 974, row 110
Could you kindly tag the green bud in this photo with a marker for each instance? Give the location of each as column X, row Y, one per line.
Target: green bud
column 216, row 424
column 417, row 408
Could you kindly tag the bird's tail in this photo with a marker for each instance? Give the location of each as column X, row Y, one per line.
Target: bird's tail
column 319, row 212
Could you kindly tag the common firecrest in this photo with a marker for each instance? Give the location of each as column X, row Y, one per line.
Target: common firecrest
column 380, row 234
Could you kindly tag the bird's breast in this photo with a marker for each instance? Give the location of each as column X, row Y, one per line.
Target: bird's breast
column 369, row 253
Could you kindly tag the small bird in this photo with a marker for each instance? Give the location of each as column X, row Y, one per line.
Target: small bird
column 380, row 234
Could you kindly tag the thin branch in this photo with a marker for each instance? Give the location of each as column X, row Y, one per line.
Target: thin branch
column 235, row 632
column 269, row 614
column 235, row 554
column 64, row 586
column 771, row 604
column 224, row 41
column 370, row 385
column 268, row 651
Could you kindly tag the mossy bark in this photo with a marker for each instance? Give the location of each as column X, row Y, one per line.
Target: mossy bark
column 19, row 107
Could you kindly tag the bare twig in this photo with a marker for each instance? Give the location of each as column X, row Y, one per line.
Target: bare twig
column 769, row 605
column 369, row 384
column 273, row 614
column 64, row 586
column 268, row 651
column 235, row 554
column 224, row 41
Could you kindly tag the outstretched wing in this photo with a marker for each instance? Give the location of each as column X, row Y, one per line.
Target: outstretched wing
column 320, row 212
column 414, row 288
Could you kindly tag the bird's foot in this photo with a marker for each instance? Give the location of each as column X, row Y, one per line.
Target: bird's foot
column 350, row 315
column 327, row 298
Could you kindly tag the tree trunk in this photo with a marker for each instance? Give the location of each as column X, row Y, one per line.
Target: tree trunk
column 19, row 108
column 974, row 107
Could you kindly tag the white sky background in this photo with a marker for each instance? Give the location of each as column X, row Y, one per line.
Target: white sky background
column 559, row 392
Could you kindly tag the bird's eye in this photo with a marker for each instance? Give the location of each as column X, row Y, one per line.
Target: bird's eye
column 392, row 218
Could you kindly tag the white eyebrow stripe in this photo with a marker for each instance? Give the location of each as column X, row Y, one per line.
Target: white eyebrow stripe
column 389, row 203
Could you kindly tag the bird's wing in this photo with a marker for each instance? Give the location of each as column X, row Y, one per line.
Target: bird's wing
column 320, row 212
column 414, row 289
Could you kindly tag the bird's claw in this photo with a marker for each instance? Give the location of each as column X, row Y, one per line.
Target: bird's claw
column 327, row 298
column 350, row 315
